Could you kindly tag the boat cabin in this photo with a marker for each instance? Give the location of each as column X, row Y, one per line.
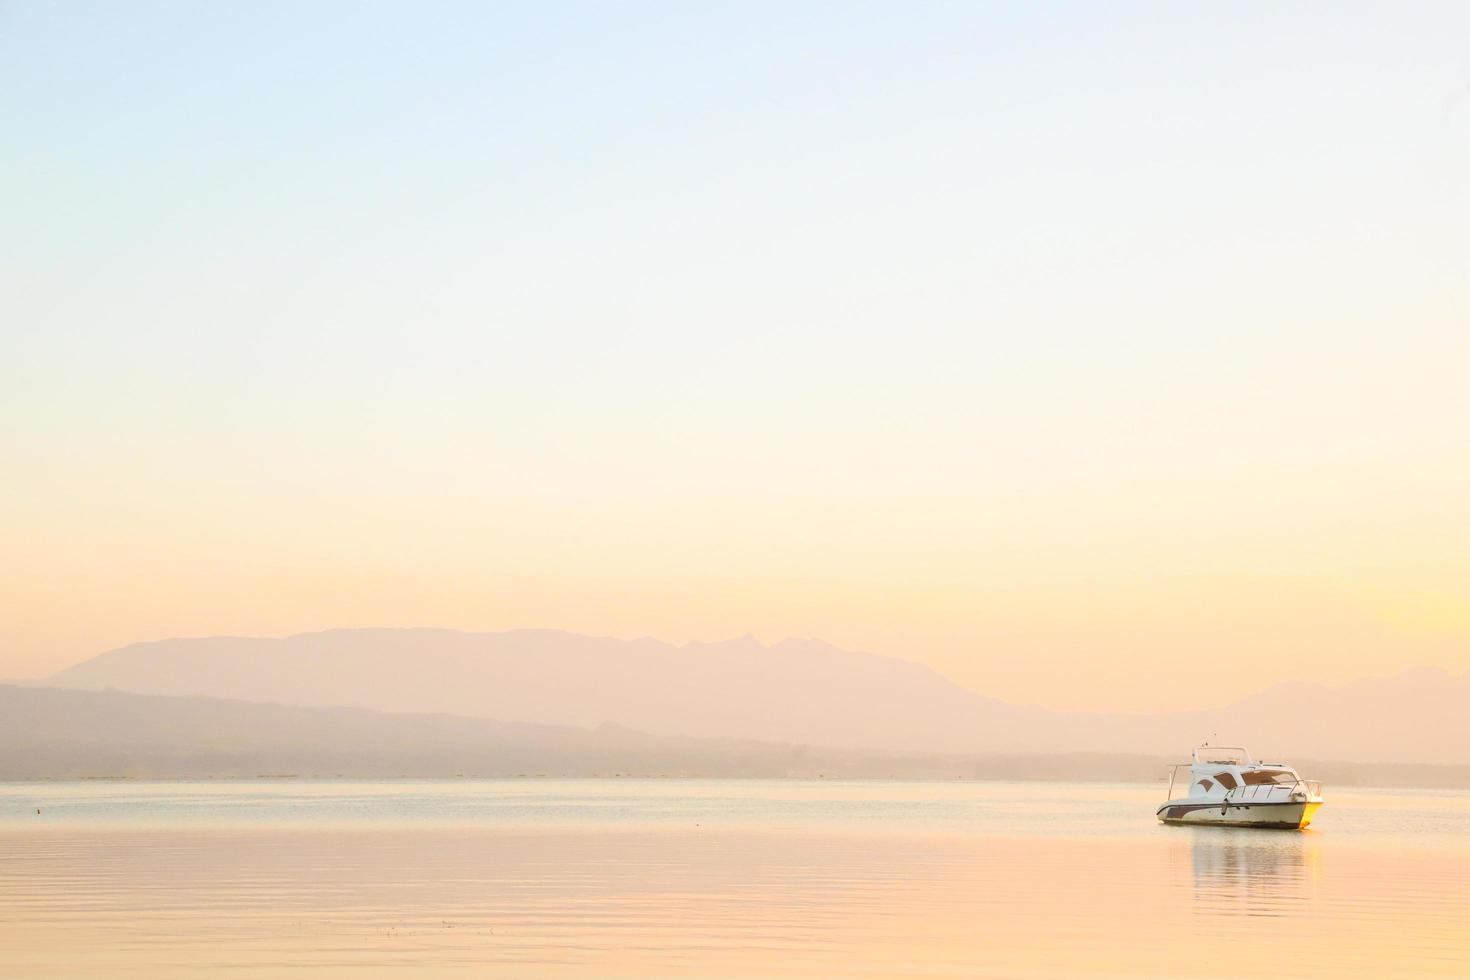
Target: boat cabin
column 1229, row 773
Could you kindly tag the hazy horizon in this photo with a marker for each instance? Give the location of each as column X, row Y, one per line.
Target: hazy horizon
column 1193, row 698
column 1208, row 699
column 795, row 692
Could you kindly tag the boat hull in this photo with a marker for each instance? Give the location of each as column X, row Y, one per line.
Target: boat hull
column 1265, row 816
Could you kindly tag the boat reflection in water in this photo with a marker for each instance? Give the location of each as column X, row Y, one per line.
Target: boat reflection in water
column 1238, row 874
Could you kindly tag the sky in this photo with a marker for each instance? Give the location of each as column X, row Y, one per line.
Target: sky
column 1099, row 356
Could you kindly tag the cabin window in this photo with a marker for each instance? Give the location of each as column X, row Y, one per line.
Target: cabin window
column 1206, row 785
column 1226, row 780
column 1267, row 777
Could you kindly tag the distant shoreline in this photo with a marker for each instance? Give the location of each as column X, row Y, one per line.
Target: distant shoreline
column 62, row 735
column 1451, row 781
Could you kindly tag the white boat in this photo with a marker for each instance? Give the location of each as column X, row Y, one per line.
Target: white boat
column 1230, row 789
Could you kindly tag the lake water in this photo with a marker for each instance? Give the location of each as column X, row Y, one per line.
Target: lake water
column 696, row 878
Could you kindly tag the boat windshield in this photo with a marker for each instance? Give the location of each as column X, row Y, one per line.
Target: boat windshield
column 1267, row 777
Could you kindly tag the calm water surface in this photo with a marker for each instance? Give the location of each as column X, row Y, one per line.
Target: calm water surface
column 597, row 878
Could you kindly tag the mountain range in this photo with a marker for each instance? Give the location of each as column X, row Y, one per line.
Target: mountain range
column 794, row 692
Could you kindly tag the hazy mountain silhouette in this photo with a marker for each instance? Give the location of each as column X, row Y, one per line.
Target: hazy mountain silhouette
column 794, row 691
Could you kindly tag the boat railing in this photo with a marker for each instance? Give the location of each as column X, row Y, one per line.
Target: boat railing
column 1307, row 788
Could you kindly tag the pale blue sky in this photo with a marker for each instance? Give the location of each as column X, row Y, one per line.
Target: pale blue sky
column 742, row 266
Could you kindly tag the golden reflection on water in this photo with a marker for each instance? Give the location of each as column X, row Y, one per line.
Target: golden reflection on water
column 431, row 901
